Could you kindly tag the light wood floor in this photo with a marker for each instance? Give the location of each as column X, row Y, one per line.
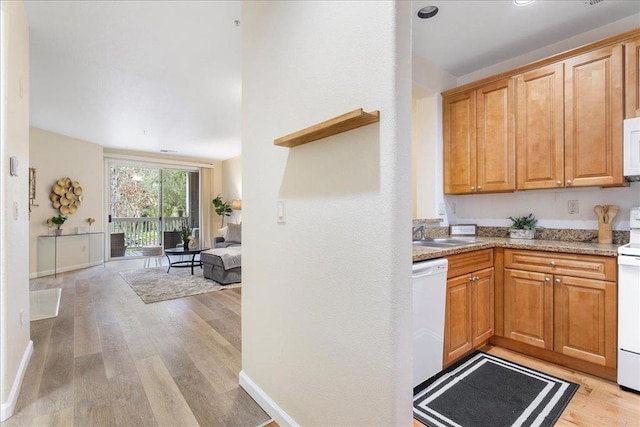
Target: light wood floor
column 597, row 402
column 108, row 359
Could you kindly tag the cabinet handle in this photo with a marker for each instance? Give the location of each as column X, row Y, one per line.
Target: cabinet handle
column 479, row 187
column 569, row 182
column 552, row 263
column 558, row 182
column 546, row 279
column 473, row 188
column 557, row 280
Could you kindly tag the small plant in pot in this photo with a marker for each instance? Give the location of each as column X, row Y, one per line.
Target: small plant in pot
column 186, row 232
column 58, row 221
column 523, row 227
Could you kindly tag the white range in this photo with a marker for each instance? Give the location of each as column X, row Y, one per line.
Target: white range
column 629, row 307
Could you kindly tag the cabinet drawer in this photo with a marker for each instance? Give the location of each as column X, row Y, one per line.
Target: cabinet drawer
column 587, row 266
column 471, row 261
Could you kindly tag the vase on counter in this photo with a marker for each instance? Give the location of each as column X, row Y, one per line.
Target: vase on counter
column 522, row 234
column 58, row 231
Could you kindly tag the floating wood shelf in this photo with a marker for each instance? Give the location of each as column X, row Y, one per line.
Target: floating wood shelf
column 352, row 120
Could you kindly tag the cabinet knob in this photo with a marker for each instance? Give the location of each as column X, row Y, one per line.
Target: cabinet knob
column 557, row 280
column 558, row 182
column 479, row 187
column 546, row 279
column 552, row 263
column 473, row 188
column 569, row 182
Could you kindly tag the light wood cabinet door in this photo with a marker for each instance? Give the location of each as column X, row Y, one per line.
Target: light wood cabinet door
column 540, row 123
column 458, row 338
column 495, row 145
column 632, row 79
column 585, row 319
column 528, row 307
column 482, row 299
column 593, row 118
column 459, row 143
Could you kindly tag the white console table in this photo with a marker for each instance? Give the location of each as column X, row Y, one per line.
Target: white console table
column 92, row 242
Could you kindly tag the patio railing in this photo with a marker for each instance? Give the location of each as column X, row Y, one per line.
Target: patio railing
column 139, row 232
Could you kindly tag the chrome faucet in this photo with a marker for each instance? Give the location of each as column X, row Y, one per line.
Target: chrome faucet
column 419, row 229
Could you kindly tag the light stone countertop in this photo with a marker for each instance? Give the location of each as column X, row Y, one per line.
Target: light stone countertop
column 422, row 253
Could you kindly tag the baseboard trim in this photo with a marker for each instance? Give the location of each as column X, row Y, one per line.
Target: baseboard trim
column 6, row 410
column 45, row 273
column 270, row 407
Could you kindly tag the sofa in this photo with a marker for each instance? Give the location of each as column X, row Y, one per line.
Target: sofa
column 223, row 263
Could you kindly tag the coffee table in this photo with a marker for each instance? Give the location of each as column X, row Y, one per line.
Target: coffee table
column 184, row 263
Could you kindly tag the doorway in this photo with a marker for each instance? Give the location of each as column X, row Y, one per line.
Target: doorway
column 144, row 202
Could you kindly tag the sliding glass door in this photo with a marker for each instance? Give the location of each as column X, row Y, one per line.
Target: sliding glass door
column 146, row 201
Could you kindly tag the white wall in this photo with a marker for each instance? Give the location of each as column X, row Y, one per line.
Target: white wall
column 15, row 345
column 232, row 184
column 549, row 206
column 57, row 156
column 326, row 299
column 428, row 82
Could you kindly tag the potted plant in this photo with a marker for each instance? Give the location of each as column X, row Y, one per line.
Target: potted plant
column 185, row 231
column 523, row 227
column 222, row 208
column 58, row 221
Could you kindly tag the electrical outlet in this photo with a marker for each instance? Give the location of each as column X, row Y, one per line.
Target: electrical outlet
column 573, row 207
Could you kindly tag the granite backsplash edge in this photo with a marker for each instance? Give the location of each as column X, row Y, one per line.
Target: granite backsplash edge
column 566, row 235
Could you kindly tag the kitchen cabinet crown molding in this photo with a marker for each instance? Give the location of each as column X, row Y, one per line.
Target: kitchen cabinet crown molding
column 610, row 41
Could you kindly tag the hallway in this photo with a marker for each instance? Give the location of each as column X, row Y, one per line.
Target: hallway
column 110, row 359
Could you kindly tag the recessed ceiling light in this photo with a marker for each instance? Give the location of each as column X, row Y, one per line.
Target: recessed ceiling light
column 427, row 12
column 522, row 2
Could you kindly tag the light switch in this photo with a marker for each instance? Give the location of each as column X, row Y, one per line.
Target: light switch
column 281, row 217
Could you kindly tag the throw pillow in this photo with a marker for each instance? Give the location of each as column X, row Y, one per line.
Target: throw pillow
column 234, row 235
column 223, row 232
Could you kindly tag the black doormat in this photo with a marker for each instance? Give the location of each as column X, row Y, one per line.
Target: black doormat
column 485, row 390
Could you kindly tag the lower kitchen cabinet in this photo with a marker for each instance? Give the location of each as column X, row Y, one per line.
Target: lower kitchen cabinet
column 563, row 303
column 469, row 319
column 528, row 316
column 585, row 319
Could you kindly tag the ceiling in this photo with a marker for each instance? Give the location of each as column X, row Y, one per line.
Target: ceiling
column 466, row 36
column 155, row 75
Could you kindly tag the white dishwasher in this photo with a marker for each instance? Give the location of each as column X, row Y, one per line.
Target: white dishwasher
column 429, row 300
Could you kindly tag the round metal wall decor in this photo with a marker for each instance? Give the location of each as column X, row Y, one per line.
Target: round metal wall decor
column 66, row 196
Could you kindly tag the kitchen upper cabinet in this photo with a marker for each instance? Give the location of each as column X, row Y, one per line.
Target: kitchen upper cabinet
column 585, row 319
column 632, row 79
column 479, row 140
column 555, row 123
column 593, row 118
column 469, row 313
column 459, row 136
column 528, row 307
column 540, row 135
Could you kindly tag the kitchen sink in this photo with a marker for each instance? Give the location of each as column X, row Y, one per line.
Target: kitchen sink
column 444, row 242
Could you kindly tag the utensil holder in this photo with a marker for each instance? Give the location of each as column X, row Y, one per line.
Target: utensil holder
column 604, row 233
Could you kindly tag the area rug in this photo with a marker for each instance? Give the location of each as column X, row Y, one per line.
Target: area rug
column 44, row 303
column 155, row 284
column 485, row 390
